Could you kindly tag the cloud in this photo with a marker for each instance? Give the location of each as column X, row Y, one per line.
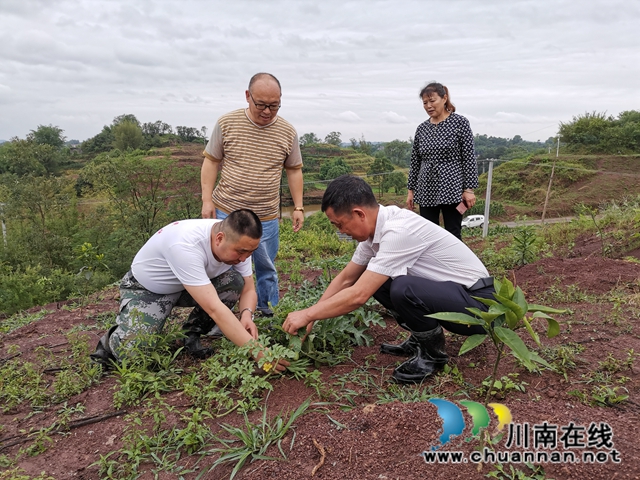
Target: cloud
column 511, row 68
column 393, row 117
column 349, row 116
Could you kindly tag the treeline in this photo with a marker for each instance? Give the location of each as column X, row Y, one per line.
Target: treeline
column 601, row 133
column 126, row 132
column 509, row 148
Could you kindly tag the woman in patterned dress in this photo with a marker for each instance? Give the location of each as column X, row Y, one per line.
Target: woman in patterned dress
column 443, row 170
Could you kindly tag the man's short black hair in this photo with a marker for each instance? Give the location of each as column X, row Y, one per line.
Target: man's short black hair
column 242, row 222
column 347, row 192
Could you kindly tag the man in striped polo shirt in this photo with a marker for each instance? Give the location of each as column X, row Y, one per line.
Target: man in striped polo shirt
column 410, row 265
column 250, row 147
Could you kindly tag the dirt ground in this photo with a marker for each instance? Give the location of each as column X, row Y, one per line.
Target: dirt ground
column 386, row 441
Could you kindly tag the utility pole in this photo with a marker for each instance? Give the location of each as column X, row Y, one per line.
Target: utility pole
column 553, row 169
column 487, row 200
column 4, row 226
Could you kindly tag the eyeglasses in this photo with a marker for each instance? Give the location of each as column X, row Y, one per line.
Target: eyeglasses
column 264, row 106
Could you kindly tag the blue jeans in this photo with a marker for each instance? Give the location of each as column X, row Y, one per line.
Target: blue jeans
column 264, row 262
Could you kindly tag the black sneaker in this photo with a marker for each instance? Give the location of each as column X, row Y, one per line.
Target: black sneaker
column 193, row 346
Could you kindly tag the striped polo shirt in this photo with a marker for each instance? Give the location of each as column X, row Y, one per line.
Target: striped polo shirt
column 252, row 158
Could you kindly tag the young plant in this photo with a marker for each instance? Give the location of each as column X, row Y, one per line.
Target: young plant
column 254, row 440
column 507, row 313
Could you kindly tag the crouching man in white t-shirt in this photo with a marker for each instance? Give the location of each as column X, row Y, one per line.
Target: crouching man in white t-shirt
column 201, row 263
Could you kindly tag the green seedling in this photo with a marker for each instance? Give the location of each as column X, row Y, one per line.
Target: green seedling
column 507, row 313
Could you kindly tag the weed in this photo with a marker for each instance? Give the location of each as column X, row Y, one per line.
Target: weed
column 148, row 368
column 536, row 472
column 562, row 358
column 19, row 382
column 105, row 320
column 21, row 319
column 524, row 245
column 611, row 364
column 255, row 439
column 451, row 374
column 603, row 395
column 41, row 442
column 227, row 381
column 65, row 413
column 405, row 394
column 503, row 386
column 18, row 474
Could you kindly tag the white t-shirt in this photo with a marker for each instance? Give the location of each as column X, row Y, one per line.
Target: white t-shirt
column 404, row 243
column 180, row 254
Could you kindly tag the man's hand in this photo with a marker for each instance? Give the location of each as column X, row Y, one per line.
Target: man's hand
column 279, row 367
column 297, row 217
column 249, row 326
column 295, row 321
column 208, row 210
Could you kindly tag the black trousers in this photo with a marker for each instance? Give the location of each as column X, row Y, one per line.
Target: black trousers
column 414, row 297
column 450, row 214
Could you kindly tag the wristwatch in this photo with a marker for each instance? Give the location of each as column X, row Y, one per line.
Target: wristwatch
column 250, row 311
column 299, row 209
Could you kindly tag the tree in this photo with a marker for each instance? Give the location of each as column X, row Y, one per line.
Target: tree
column 331, row 170
column 127, row 117
column 586, row 132
column 395, row 180
column 333, row 138
column 24, row 157
column 308, row 139
column 47, row 135
column 380, row 166
column 152, row 129
column 102, row 142
column 127, row 135
column 188, row 134
column 398, row 152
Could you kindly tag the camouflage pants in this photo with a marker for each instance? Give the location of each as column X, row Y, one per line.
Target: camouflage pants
column 142, row 311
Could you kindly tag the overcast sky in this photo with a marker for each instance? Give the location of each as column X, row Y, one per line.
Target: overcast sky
column 512, row 67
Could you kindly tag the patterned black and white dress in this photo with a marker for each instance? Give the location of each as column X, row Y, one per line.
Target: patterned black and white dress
column 443, row 162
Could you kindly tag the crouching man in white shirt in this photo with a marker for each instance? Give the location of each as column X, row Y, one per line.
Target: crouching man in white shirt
column 201, row 263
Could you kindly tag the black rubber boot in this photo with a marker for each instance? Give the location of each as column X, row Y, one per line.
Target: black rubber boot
column 408, row 348
column 431, row 356
column 198, row 323
column 103, row 354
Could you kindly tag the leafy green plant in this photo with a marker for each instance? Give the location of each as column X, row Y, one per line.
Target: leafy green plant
column 562, row 358
column 17, row 473
column 149, row 367
column 500, row 471
column 501, row 387
column 331, row 341
column 21, row 319
column 255, row 439
column 92, row 262
column 524, row 245
column 507, row 313
column 227, row 380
